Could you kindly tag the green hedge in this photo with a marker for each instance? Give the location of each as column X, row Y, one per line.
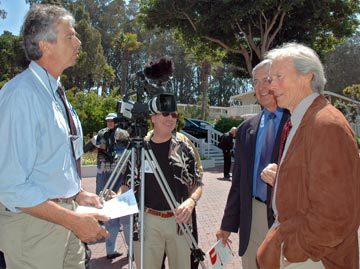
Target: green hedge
column 225, row 124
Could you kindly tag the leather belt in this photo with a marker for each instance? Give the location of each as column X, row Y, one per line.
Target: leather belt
column 258, row 199
column 162, row 214
column 68, row 200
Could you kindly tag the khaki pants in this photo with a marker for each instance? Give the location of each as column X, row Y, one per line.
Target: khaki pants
column 160, row 236
column 33, row 243
column 259, row 229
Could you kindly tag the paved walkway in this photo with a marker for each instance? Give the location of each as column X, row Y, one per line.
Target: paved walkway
column 209, row 213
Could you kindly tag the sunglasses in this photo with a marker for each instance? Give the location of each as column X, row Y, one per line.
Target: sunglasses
column 174, row 115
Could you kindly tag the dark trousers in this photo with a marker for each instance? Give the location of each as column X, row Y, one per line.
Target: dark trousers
column 227, row 162
column 2, row 261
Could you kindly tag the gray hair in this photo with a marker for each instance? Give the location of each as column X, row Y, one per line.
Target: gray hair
column 263, row 63
column 233, row 130
column 40, row 24
column 305, row 61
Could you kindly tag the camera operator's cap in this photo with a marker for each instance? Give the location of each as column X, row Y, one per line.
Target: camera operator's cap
column 110, row 116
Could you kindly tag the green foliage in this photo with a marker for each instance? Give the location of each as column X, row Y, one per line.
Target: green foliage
column 92, row 54
column 350, row 110
column 92, row 109
column 12, row 57
column 358, row 141
column 225, row 124
column 180, row 122
column 89, row 158
column 250, row 28
column 2, row 13
column 353, row 92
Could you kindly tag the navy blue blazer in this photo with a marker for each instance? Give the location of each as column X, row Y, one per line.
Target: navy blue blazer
column 238, row 210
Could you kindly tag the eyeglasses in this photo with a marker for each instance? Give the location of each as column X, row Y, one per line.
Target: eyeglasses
column 174, row 115
column 258, row 82
column 276, row 77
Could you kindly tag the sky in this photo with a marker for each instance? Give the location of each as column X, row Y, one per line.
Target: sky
column 16, row 10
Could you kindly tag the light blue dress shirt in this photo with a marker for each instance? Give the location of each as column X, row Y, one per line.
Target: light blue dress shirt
column 36, row 160
column 260, row 138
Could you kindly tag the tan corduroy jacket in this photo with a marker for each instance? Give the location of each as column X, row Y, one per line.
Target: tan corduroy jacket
column 318, row 194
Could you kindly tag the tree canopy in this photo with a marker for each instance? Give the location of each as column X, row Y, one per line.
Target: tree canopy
column 2, row 13
column 12, row 57
column 209, row 41
column 342, row 66
column 247, row 29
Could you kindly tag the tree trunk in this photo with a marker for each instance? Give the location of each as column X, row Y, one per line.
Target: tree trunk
column 124, row 72
column 204, row 75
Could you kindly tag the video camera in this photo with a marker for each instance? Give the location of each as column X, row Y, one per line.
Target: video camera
column 150, row 97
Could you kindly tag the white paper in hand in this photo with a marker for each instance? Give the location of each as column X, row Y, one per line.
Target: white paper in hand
column 122, row 205
column 219, row 255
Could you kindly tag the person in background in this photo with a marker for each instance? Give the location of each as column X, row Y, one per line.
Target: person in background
column 227, row 145
column 40, row 174
column 257, row 144
column 121, row 143
column 106, row 144
column 317, row 181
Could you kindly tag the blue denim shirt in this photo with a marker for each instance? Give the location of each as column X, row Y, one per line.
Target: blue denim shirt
column 36, row 160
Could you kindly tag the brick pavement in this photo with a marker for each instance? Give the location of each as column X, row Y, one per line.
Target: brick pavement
column 209, row 212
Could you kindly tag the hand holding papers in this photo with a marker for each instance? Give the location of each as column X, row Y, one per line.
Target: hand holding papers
column 122, row 205
column 219, row 255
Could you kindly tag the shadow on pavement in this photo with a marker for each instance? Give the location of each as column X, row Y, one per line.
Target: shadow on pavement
column 102, row 262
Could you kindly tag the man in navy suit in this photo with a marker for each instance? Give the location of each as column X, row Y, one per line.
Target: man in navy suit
column 248, row 209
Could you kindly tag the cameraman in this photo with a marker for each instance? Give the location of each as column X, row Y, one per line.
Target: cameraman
column 106, row 144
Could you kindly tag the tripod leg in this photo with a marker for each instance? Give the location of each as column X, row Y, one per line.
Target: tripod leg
column 114, row 177
column 142, row 199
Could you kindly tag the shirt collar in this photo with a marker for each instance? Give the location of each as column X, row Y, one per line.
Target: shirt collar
column 49, row 81
column 278, row 112
column 300, row 110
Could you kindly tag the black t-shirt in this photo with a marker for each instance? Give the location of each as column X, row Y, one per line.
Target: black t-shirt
column 154, row 197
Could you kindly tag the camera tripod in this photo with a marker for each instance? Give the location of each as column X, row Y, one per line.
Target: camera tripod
column 140, row 149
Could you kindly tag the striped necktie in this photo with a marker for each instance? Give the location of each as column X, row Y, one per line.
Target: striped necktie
column 284, row 135
column 73, row 131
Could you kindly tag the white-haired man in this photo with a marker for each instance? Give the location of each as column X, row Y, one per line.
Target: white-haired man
column 317, row 182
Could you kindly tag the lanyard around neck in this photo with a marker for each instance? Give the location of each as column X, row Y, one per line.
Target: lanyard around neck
column 49, row 91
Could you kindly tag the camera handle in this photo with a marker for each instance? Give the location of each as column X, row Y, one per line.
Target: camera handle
column 147, row 153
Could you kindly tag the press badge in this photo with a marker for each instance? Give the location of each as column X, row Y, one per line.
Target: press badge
column 77, row 146
column 148, row 167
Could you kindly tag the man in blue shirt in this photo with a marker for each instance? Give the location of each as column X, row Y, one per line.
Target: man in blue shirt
column 257, row 144
column 42, row 141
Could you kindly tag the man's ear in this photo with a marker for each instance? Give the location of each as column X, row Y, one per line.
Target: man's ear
column 309, row 76
column 44, row 46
